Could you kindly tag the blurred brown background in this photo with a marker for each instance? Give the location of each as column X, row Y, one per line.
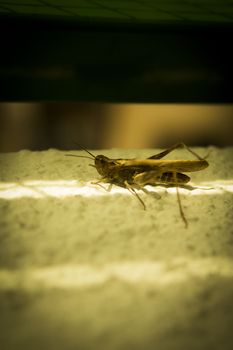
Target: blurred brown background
column 38, row 126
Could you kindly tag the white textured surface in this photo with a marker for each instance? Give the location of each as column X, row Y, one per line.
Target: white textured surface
column 81, row 268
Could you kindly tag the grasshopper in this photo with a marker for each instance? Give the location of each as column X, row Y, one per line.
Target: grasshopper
column 135, row 174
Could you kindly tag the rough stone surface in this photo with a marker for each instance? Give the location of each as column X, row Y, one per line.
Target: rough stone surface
column 83, row 268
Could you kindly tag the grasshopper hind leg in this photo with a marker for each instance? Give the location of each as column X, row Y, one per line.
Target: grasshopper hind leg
column 179, row 201
column 180, row 208
column 174, row 147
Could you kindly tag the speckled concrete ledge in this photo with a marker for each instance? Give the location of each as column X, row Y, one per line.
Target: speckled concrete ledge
column 83, row 268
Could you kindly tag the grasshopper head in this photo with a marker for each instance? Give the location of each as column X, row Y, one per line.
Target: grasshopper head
column 103, row 164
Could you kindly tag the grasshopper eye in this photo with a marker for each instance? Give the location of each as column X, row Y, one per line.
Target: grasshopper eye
column 101, row 159
column 99, row 163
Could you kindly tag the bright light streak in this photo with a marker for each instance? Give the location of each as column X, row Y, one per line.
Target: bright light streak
column 159, row 273
column 72, row 188
column 61, row 188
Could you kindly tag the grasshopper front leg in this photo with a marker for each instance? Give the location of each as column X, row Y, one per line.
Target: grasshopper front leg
column 104, row 180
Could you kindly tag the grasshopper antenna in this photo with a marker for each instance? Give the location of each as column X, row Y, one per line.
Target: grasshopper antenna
column 75, row 155
column 84, row 149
